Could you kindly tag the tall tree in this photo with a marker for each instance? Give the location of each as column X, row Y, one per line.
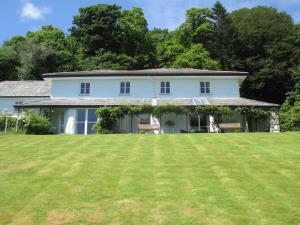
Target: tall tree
column 223, row 31
column 263, row 46
column 97, row 27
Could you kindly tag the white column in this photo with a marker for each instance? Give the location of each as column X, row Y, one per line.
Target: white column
column 212, row 125
column 70, row 119
column 86, row 122
column 274, row 121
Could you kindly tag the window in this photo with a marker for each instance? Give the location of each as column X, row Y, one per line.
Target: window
column 165, row 87
column 85, row 88
column 86, row 118
column 204, row 87
column 125, row 88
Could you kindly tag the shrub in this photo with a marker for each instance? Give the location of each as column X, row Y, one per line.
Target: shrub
column 35, row 124
column 11, row 122
column 290, row 117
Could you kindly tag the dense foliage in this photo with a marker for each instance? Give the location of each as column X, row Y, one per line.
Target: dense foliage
column 108, row 117
column 36, row 124
column 259, row 40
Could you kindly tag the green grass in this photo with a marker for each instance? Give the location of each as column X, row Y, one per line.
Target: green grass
column 150, row 179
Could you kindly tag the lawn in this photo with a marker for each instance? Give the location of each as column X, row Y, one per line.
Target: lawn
column 150, row 179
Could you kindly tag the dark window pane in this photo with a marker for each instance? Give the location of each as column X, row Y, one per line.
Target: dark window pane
column 80, row 115
column 202, row 84
column 167, row 84
column 82, row 85
column 207, row 84
column 162, row 84
column 207, row 90
column 122, row 84
column 92, row 117
column 87, row 85
column 202, row 90
column 127, row 90
column 127, row 84
column 168, row 90
column 87, row 91
column 82, row 91
column 122, row 90
column 80, row 128
column 162, row 90
column 90, row 128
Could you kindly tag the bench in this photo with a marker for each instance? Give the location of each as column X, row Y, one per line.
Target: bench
column 229, row 126
column 147, row 127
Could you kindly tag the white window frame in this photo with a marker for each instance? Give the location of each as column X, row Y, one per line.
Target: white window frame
column 86, row 119
column 85, row 88
column 207, row 86
column 163, row 87
column 127, row 85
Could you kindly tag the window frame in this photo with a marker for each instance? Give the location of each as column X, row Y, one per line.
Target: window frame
column 125, row 88
column 84, row 88
column 165, row 87
column 206, row 87
column 86, row 120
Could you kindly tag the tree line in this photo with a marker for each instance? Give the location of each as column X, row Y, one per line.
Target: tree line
column 260, row 40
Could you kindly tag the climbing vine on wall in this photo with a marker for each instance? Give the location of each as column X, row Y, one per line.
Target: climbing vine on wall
column 109, row 116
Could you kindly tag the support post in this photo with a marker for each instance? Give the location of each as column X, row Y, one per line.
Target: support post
column 199, row 122
column 131, row 122
column 6, row 120
column 17, row 122
column 160, row 123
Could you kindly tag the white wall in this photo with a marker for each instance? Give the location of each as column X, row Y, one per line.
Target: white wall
column 69, row 121
column 148, row 87
column 8, row 103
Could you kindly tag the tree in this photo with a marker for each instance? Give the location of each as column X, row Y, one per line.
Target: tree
column 97, row 27
column 223, row 31
column 196, row 57
column 35, row 59
column 263, row 46
column 8, row 64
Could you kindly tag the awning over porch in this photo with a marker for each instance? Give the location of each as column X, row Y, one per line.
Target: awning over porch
column 95, row 102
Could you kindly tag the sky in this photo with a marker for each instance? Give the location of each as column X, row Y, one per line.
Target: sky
column 19, row 16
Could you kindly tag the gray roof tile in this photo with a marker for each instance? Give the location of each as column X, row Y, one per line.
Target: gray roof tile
column 94, row 102
column 24, row 88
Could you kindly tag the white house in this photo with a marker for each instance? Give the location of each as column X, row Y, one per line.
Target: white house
column 71, row 98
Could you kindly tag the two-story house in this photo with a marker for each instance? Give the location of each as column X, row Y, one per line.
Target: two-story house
column 71, row 98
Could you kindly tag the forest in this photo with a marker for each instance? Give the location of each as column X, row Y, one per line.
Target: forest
column 259, row 40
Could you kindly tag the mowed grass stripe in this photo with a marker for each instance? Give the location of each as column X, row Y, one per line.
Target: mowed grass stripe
column 150, row 179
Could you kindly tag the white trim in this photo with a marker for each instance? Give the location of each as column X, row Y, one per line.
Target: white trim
column 242, row 77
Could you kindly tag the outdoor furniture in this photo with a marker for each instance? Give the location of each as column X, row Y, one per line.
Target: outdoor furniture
column 229, row 126
column 147, row 127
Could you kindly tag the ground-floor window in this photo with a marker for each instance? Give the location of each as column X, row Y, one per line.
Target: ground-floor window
column 199, row 122
column 86, row 118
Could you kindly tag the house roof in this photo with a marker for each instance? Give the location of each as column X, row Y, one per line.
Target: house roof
column 148, row 72
column 95, row 102
column 25, row 89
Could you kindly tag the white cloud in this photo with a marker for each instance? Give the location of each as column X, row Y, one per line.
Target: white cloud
column 31, row 11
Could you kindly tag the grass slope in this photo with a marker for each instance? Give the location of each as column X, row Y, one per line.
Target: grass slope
column 150, row 179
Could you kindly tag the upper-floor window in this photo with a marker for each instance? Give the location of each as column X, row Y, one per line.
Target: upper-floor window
column 165, row 87
column 204, row 87
column 125, row 88
column 85, row 88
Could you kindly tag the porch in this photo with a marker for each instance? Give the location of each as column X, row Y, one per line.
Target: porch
column 78, row 116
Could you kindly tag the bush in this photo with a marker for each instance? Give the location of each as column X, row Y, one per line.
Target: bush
column 11, row 122
column 290, row 117
column 35, row 124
